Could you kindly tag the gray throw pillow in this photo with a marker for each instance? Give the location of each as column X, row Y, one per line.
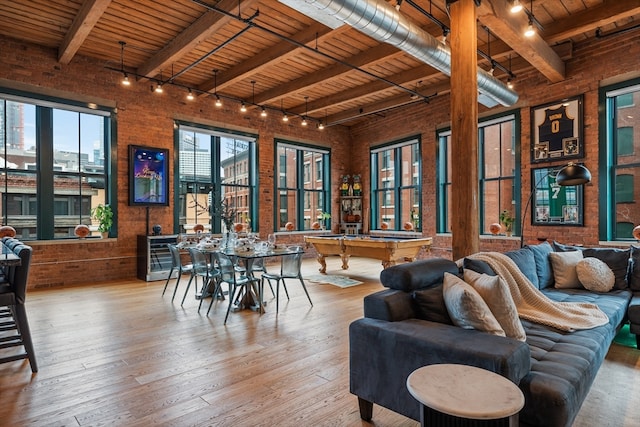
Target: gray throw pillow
column 431, row 305
column 543, row 264
column 526, row 262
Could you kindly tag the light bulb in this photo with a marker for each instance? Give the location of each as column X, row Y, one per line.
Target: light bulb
column 218, row 101
column 285, row 118
column 304, row 121
column 190, row 95
column 125, row 80
column 243, row 108
column 321, row 126
column 159, row 88
column 530, row 31
column 516, row 6
column 264, row 112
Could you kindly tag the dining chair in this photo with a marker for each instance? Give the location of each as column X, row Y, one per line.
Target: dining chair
column 204, row 269
column 230, row 275
column 290, row 268
column 13, row 312
column 176, row 265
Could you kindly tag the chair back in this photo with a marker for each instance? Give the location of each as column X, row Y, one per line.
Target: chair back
column 176, row 262
column 226, row 266
column 18, row 275
column 291, row 265
column 199, row 261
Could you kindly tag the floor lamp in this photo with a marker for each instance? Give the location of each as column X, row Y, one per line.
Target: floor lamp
column 571, row 174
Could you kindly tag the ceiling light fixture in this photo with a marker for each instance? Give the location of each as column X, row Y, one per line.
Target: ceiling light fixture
column 159, row 88
column 516, row 6
column 530, row 31
column 243, row 107
column 285, row 118
column 215, row 89
column 306, row 111
column 263, row 113
column 125, row 78
column 509, row 83
column 190, row 96
column 321, row 125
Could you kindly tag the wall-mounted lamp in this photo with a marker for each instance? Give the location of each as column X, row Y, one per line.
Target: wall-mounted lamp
column 571, row 174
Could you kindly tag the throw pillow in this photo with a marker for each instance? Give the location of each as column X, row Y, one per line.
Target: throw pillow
column 543, row 265
column 431, row 305
column 595, row 275
column 564, row 268
column 616, row 259
column 466, row 307
column 559, row 247
column 495, row 292
column 478, row 266
column 526, row 262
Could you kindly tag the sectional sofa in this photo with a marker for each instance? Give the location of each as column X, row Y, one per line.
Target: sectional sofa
column 408, row 326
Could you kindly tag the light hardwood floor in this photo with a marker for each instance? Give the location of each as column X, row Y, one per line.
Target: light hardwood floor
column 121, row 354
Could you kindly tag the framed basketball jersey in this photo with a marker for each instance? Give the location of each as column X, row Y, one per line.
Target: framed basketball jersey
column 556, row 131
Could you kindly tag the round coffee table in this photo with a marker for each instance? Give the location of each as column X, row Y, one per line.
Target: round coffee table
column 449, row 392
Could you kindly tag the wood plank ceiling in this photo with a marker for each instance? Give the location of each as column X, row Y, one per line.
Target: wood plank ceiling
column 268, row 54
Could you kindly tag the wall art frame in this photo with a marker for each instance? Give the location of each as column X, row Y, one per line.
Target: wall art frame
column 148, row 176
column 553, row 204
column 557, row 130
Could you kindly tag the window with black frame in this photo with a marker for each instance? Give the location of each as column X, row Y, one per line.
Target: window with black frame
column 396, row 187
column 302, row 186
column 215, row 165
column 620, row 152
column 498, row 160
column 53, row 164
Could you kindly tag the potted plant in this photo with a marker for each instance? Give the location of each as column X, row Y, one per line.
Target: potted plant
column 507, row 220
column 323, row 217
column 104, row 215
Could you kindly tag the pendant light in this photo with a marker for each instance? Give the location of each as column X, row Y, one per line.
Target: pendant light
column 530, row 31
column 306, row 111
column 125, row 77
column 516, row 6
column 215, row 89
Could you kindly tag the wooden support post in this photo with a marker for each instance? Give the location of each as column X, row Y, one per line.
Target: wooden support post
column 464, row 129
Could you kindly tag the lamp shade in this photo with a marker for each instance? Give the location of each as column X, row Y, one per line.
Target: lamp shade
column 573, row 174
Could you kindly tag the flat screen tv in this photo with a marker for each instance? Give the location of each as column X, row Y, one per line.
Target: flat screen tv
column 148, row 176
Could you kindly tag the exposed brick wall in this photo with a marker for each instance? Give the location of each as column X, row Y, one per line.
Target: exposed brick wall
column 143, row 118
column 591, row 63
column 146, row 118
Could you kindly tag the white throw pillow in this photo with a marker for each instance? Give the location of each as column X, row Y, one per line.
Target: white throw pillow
column 466, row 307
column 595, row 275
column 564, row 269
column 495, row 292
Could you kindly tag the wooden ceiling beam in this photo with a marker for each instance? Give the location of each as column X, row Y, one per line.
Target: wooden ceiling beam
column 509, row 28
column 203, row 28
column 590, row 19
column 87, row 17
column 367, row 58
column 269, row 57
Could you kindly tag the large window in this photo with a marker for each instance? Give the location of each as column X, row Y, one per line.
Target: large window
column 620, row 134
column 302, row 185
column 396, row 190
column 53, row 165
column 497, row 157
column 215, row 165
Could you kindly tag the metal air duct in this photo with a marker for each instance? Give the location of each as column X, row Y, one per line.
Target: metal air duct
column 384, row 23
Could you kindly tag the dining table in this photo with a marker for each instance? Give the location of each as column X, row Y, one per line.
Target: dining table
column 249, row 254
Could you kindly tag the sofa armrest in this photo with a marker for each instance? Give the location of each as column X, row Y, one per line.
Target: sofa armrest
column 383, row 354
column 390, row 305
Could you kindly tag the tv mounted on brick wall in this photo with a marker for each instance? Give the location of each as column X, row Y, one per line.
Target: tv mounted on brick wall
column 148, row 176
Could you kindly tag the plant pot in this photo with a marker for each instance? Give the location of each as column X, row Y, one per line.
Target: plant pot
column 105, row 234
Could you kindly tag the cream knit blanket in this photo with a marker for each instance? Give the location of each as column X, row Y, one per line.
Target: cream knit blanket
column 536, row 307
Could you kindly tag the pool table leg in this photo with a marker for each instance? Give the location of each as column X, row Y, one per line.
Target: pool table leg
column 323, row 263
column 345, row 261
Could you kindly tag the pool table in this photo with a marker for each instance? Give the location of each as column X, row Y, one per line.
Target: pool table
column 389, row 250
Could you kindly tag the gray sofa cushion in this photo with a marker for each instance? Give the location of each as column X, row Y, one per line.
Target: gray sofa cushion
column 417, row 274
column 564, row 365
column 431, row 306
column 616, row 259
column 478, row 266
column 526, row 262
column 543, row 264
